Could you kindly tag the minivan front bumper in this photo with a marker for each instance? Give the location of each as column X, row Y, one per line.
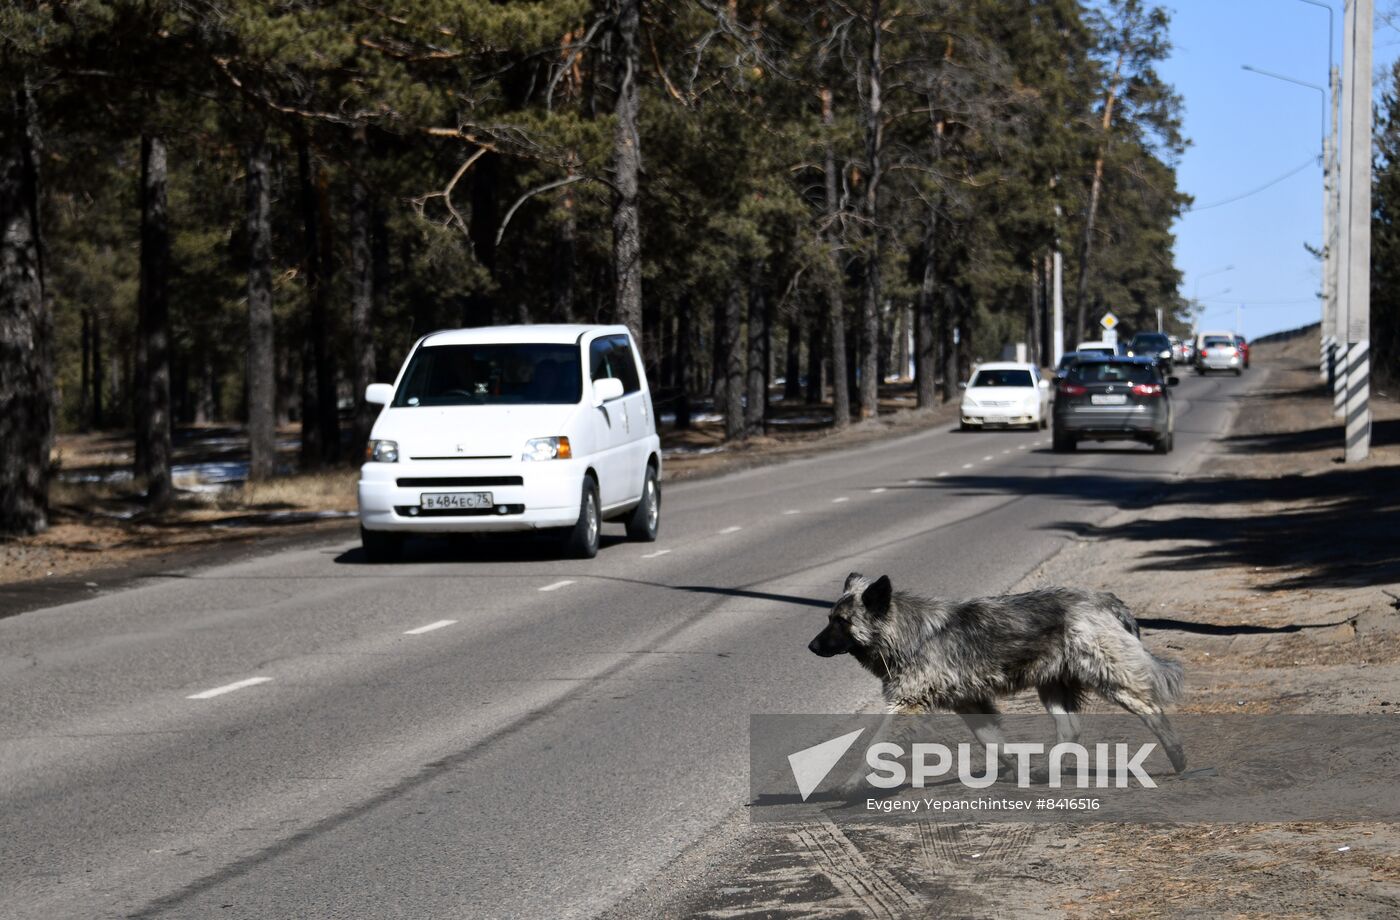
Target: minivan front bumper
column 525, row 495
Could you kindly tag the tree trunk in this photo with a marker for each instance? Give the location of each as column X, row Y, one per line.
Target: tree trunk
column 925, row 328
column 85, row 383
column 816, row 349
column 627, row 165
column 870, row 304
column 153, row 345
column 946, row 334
column 99, row 373
column 320, row 422
column 792, row 369
column 562, row 278
column 732, row 354
column 1095, row 190
column 262, row 430
column 361, row 307
column 756, row 408
column 1036, row 306
column 832, row 280
column 26, row 369
column 683, row 334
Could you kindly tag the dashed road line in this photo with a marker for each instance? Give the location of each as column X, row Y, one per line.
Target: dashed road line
column 228, row 688
column 792, row 511
column 429, row 628
column 735, row 529
column 967, row 466
column 986, row 458
column 877, row 491
column 660, row 552
column 839, row 499
column 558, row 584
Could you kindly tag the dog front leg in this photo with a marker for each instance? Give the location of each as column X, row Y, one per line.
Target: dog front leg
column 985, row 721
column 891, row 728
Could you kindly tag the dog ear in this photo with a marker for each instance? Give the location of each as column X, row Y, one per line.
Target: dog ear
column 852, row 579
column 876, row 598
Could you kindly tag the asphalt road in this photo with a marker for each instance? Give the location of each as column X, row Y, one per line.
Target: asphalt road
column 568, row 734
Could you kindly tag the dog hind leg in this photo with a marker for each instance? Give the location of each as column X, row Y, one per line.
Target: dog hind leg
column 984, row 719
column 1061, row 700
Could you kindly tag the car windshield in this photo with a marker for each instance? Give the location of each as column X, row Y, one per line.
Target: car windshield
column 1002, row 379
column 1149, row 342
column 1112, row 372
column 1219, row 341
column 489, row 375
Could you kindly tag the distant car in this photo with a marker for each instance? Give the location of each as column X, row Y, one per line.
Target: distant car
column 1103, row 348
column 1003, row 394
column 1153, row 345
column 1114, row 398
column 1243, row 346
column 513, row 428
column 1218, row 351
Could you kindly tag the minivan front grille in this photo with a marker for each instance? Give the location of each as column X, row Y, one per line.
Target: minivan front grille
column 462, row 481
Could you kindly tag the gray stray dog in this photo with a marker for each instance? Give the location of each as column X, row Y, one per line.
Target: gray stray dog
column 962, row 655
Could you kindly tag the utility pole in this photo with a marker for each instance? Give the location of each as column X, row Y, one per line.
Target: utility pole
column 1330, row 189
column 1354, row 302
column 1057, row 296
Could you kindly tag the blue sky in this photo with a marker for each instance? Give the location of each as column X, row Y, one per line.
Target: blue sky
column 1246, row 130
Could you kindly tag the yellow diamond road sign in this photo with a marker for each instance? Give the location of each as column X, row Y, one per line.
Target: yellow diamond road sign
column 1108, row 321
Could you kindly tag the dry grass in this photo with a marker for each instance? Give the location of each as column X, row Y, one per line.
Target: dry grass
column 329, row 490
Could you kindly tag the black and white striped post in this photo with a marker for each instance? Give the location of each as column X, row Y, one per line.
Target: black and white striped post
column 1354, row 304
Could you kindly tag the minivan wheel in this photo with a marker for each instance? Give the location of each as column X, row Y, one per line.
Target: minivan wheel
column 1163, row 445
column 381, row 546
column 645, row 521
column 582, row 539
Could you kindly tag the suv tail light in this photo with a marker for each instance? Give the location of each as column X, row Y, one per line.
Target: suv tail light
column 1072, row 389
column 1147, row 389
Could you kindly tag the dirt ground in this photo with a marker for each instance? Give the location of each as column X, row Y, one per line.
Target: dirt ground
column 100, row 527
column 1264, row 572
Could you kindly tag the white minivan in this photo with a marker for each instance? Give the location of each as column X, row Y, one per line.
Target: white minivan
column 513, row 428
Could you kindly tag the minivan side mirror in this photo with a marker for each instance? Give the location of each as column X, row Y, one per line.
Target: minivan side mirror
column 380, row 394
column 1173, row 381
column 606, row 390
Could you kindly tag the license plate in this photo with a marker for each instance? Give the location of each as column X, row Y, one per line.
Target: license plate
column 458, row 501
column 1108, row 399
column 995, row 419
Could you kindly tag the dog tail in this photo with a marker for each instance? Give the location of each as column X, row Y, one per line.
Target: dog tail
column 1120, row 610
column 1167, row 677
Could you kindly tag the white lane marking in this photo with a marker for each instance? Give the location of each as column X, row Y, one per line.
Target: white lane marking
column 967, row 466
column 942, row 474
column 736, row 528
column 1023, row 447
column 986, row 458
column 877, row 491
column 429, row 628
column 660, row 552
column 228, row 688
column 837, row 501
column 1007, row 451
column 558, row 584
column 792, row 511
column 911, row 482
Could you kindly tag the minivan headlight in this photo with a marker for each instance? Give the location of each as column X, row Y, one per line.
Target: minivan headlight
column 547, row 449
column 382, row 451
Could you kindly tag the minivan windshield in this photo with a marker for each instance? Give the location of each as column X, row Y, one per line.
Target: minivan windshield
column 1151, row 341
column 492, row 375
column 1002, row 379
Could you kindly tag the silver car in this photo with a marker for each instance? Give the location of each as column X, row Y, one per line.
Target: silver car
column 1218, row 351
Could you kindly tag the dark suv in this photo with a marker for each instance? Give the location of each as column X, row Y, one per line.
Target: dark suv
column 1102, row 398
column 1154, row 345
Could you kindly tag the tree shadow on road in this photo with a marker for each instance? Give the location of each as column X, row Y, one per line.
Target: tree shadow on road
column 1338, row 528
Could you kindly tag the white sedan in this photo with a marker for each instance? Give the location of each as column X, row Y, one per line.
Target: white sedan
column 1005, row 394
